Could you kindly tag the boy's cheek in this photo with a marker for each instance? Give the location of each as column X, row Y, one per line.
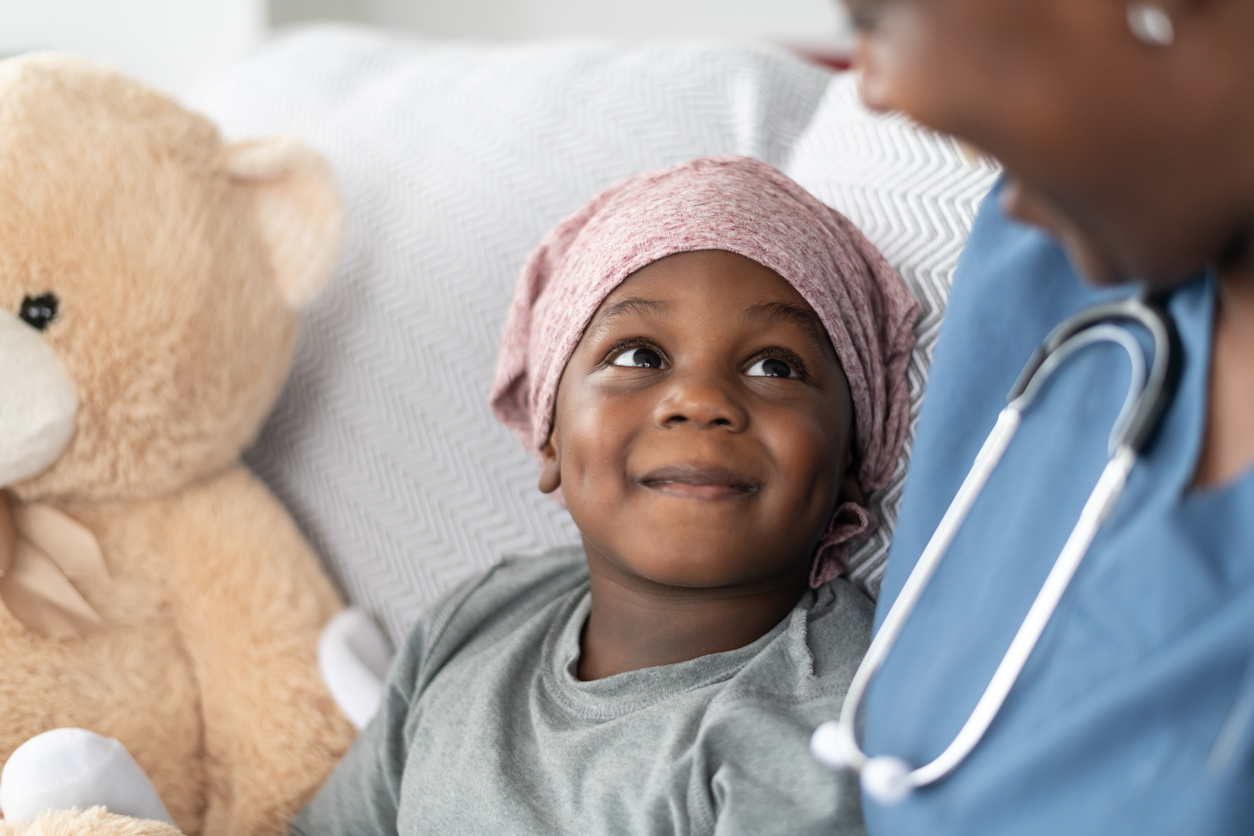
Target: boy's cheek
column 592, row 469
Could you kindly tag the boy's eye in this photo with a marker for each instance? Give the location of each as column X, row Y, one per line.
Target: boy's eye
column 639, row 358
column 771, row 367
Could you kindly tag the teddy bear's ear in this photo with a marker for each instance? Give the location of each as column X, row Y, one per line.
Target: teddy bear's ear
column 298, row 205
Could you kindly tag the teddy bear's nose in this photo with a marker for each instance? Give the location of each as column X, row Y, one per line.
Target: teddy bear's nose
column 38, row 402
column 39, row 311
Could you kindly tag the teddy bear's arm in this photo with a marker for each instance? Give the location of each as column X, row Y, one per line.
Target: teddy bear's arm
column 251, row 598
column 94, row 822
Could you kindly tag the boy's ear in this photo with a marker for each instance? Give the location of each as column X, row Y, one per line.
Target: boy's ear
column 551, row 471
column 850, row 487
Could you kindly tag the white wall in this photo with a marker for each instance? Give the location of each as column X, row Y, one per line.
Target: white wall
column 164, row 42
column 789, row 21
column 168, row 43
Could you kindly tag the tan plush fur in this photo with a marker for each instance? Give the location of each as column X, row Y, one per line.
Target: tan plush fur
column 94, row 822
column 177, row 260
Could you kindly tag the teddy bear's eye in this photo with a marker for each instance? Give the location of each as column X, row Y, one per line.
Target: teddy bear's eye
column 39, row 311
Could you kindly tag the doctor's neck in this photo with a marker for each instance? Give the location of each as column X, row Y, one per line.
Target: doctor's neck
column 1228, row 448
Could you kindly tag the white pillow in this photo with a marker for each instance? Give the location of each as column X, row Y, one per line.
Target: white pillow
column 454, row 160
column 914, row 194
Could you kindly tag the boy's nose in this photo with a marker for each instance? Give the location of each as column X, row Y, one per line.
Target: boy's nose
column 701, row 402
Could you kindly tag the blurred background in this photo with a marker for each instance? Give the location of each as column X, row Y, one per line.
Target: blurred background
column 169, row 43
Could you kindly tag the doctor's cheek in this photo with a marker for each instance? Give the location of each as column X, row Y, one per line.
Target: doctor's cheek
column 895, row 71
column 875, row 82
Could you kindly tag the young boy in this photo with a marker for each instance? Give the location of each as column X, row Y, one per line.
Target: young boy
column 710, row 365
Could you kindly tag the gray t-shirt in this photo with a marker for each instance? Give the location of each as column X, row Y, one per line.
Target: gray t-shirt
column 484, row 727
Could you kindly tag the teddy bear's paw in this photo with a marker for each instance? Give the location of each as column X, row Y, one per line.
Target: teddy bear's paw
column 65, row 769
column 354, row 656
column 94, row 822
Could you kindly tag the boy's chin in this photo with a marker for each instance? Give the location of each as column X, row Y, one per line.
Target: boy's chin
column 715, row 564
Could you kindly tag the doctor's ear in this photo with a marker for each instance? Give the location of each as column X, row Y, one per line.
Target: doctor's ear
column 551, row 472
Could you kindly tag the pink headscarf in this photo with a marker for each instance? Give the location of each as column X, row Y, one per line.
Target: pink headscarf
column 742, row 206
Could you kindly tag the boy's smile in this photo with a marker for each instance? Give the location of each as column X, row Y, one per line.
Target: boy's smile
column 693, row 482
column 702, row 429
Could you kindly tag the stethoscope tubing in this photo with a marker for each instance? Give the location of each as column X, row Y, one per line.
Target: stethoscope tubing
column 836, row 743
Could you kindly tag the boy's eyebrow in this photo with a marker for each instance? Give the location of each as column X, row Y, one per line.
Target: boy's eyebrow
column 634, row 304
column 784, row 312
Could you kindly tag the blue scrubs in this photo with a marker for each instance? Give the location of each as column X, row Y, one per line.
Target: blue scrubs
column 1114, row 726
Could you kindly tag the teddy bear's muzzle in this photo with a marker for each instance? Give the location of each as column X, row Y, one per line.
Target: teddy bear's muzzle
column 38, row 402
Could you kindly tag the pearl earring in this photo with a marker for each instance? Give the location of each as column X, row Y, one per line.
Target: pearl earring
column 1151, row 25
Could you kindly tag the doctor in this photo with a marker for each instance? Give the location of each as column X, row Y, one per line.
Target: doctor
column 1127, row 133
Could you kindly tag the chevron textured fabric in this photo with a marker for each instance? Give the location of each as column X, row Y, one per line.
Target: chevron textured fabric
column 454, row 160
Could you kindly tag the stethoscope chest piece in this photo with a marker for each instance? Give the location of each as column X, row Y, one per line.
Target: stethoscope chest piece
column 888, row 779
column 884, row 778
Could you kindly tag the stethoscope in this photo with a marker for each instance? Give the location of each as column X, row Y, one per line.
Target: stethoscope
column 889, row 779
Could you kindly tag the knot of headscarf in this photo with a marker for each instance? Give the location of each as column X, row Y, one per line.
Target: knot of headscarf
column 741, row 206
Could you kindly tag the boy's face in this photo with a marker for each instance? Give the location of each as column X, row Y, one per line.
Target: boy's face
column 702, row 427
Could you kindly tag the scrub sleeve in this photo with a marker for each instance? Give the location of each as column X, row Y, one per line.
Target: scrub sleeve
column 1133, row 714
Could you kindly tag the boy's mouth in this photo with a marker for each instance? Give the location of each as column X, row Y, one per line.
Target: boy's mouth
column 695, row 482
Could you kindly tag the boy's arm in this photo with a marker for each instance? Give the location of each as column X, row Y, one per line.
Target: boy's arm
column 362, row 796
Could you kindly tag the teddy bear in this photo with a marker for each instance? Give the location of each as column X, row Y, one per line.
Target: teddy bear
column 152, row 590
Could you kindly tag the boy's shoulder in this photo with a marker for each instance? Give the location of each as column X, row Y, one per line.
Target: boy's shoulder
column 495, row 601
column 527, row 581
column 516, row 586
column 516, row 576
